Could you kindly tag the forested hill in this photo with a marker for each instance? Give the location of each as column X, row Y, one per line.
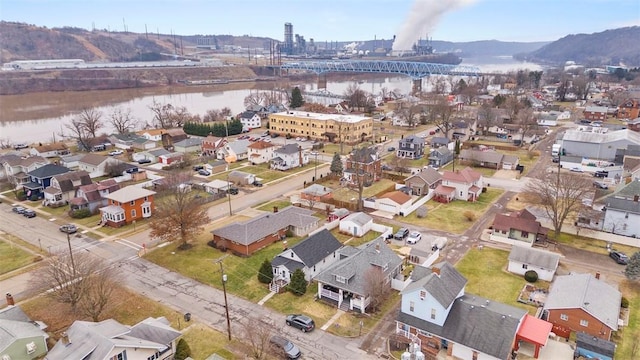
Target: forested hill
column 610, row 47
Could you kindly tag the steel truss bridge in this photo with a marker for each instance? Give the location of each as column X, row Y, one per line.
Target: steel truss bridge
column 416, row 70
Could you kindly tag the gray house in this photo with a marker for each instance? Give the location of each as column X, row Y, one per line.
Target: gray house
column 438, row 141
column 440, row 157
column 312, row 255
column 411, row 147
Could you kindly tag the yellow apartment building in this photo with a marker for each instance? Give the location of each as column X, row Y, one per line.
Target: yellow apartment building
column 316, row 126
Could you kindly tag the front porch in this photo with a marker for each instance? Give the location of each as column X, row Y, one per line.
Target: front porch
column 342, row 299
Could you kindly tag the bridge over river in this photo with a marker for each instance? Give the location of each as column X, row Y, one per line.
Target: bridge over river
column 415, row 70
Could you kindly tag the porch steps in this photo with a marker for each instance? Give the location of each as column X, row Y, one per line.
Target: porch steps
column 344, row 306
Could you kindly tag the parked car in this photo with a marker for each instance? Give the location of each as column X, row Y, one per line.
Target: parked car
column 386, row 167
column 576, row 169
column 233, row 191
column 414, row 237
column 620, row 257
column 204, row 172
column 401, row 234
column 257, row 184
column 432, row 132
column 68, row 228
column 301, row 322
column 18, row 210
column 29, row 213
column 600, row 185
column 391, row 149
column 115, row 152
column 20, row 146
column 555, row 159
column 290, row 350
column 144, row 161
column 198, row 167
column 601, row 174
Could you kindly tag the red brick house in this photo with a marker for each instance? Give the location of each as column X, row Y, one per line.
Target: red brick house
column 211, row 145
column 595, row 113
column 126, row 205
column 365, row 162
column 629, row 109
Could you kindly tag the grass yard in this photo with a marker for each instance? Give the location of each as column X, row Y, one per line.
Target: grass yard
column 345, row 194
column 450, row 217
column 486, row 172
column 268, row 206
column 486, row 275
column 354, row 241
column 197, row 263
column 627, row 338
column 594, row 245
column 287, row 303
column 348, row 324
column 204, row 341
column 12, row 256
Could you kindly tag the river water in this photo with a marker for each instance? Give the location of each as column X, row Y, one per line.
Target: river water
column 42, row 117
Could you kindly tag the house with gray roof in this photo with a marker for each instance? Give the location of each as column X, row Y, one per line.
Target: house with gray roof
column 356, row 224
column 132, row 140
column 63, row 187
column 583, row 302
column 344, row 284
column 438, row 316
column 312, row 255
column 241, row 178
column 524, row 258
column 236, row 150
column 421, row 182
column 622, row 210
column 245, row 238
column 488, row 159
column 438, row 141
column 15, row 167
column 440, row 157
column 152, row 338
column 288, row 157
column 40, row 179
column 410, row 147
column 189, row 145
column 20, row 337
column 316, row 193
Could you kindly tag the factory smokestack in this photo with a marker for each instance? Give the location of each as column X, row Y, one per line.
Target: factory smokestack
column 422, row 19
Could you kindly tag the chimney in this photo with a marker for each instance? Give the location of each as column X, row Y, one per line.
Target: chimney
column 10, row 300
column 275, row 209
column 635, row 197
column 378, row 247
column 435, row 270
column 598, row 273
column 64, row 338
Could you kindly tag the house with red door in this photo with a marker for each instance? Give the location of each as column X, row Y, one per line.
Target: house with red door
column 127, row 205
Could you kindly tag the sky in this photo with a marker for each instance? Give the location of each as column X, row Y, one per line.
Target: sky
column 337, row 20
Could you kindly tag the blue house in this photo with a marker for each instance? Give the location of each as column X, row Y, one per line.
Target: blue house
column 40, row 179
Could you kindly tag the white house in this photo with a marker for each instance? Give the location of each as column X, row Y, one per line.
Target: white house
column 356, row 224
column 96, row 164
column 622, row 215
column 524, row 258
column 16, row 167
column 260, row 152
column 49, row 150
column 189, row 145
column 288, row 157
column 312, row 255
column 465, row 184
column 250, row 120
column 151, row 134
column 236, row 150
column 217, row 186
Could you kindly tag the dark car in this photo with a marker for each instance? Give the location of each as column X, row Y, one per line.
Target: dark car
column 620, row 257
column 257, row 183
column 204, row 172
column 198, row 167
column 29, row 213
column 401, row 234
column 301, row 322
column 144, row 161
column 68, row 228
column 601, row 174
column 18, row 209
column 386, row 167
column 391, row 149
column 290, row 350
column 233, row 191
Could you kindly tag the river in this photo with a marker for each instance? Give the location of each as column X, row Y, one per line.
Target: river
column 42, row 117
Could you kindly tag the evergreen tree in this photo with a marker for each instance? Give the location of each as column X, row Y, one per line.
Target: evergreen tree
column 632, row 272
column 336, row 165
column 265, row 274
column 296, row 98
column 182, row 350
column 298, row 285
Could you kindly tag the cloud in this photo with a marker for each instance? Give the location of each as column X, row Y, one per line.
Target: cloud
column 422, row 19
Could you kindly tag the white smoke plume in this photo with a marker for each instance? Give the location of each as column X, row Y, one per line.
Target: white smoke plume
column 422, row 19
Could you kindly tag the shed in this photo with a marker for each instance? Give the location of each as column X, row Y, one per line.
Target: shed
column 241, row 177
column 356, row 224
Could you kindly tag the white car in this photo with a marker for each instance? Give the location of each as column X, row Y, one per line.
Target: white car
column 414, row 237
column 115, row 152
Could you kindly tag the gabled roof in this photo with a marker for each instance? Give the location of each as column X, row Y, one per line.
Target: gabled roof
column 540, row 258
column 259, row 145
column 482, row 156
column 159, row 152
column 239, row 146
column 358, row 218
column 288, row 149
column 508, row 222
column 17, row 160
column 595, row 344
column 93, row 159
column 15, row 325
column 317, row 190
column 366, row 155
column 428, row 175
column 486, row 326
column 398, row 197
column 440, row 140
column 464, row 176
column 189, row 142
column 48, row 171
column 248, row 114
column 51, row 147
column 66, row 180
column 157, row 330
column 311, row 250
column 129, row 193
column 412, row 139
column 252, row 230
column 584, row 291
column 442, row 281
column 625, row 198
column 355, row 263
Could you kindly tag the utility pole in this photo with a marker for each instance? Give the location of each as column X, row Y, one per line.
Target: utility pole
column 73, row 264
column 224, row 290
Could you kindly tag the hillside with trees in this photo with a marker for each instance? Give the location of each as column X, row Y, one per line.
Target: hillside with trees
column 610, row 47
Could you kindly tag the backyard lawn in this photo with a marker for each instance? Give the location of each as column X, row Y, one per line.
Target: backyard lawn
column 345, row 194
column 12, row 256
column 347, row 239
column 204, row 341
column 486, row 275
column 451, row 217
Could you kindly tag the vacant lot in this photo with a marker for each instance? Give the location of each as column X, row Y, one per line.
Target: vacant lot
column 346, row 194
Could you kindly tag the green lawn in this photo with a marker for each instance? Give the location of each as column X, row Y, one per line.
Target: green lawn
column 486, row 275
column 346, row 194
column 450, row 217
column 287, row 303
column 627, row 337
column 354, row 241
column 12, row 257
column 280, row 204
column 198, row 264
column 204, row 341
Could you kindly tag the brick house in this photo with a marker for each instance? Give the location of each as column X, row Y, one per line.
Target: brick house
column 582, row 303
column 211, row 145
column 126, row 205
column 363, row 161
column 629, row 109
column 317, row 193
column 598, row 113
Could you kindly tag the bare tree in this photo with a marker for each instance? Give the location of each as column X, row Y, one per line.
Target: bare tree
column 560, row 196
column 513, row 105
column 80, row 134
column 376, row 286
column 212, row 115
column 443, row 115
column 178, row 214
column 255, row 98
column 316, row 108
column 408, row 112
column 359, row 159
column 162, row 115
column 122, row 121
column 527, row 122
column 357, row 98
column 258, row 333
column 99, row 287
column 91, row 119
